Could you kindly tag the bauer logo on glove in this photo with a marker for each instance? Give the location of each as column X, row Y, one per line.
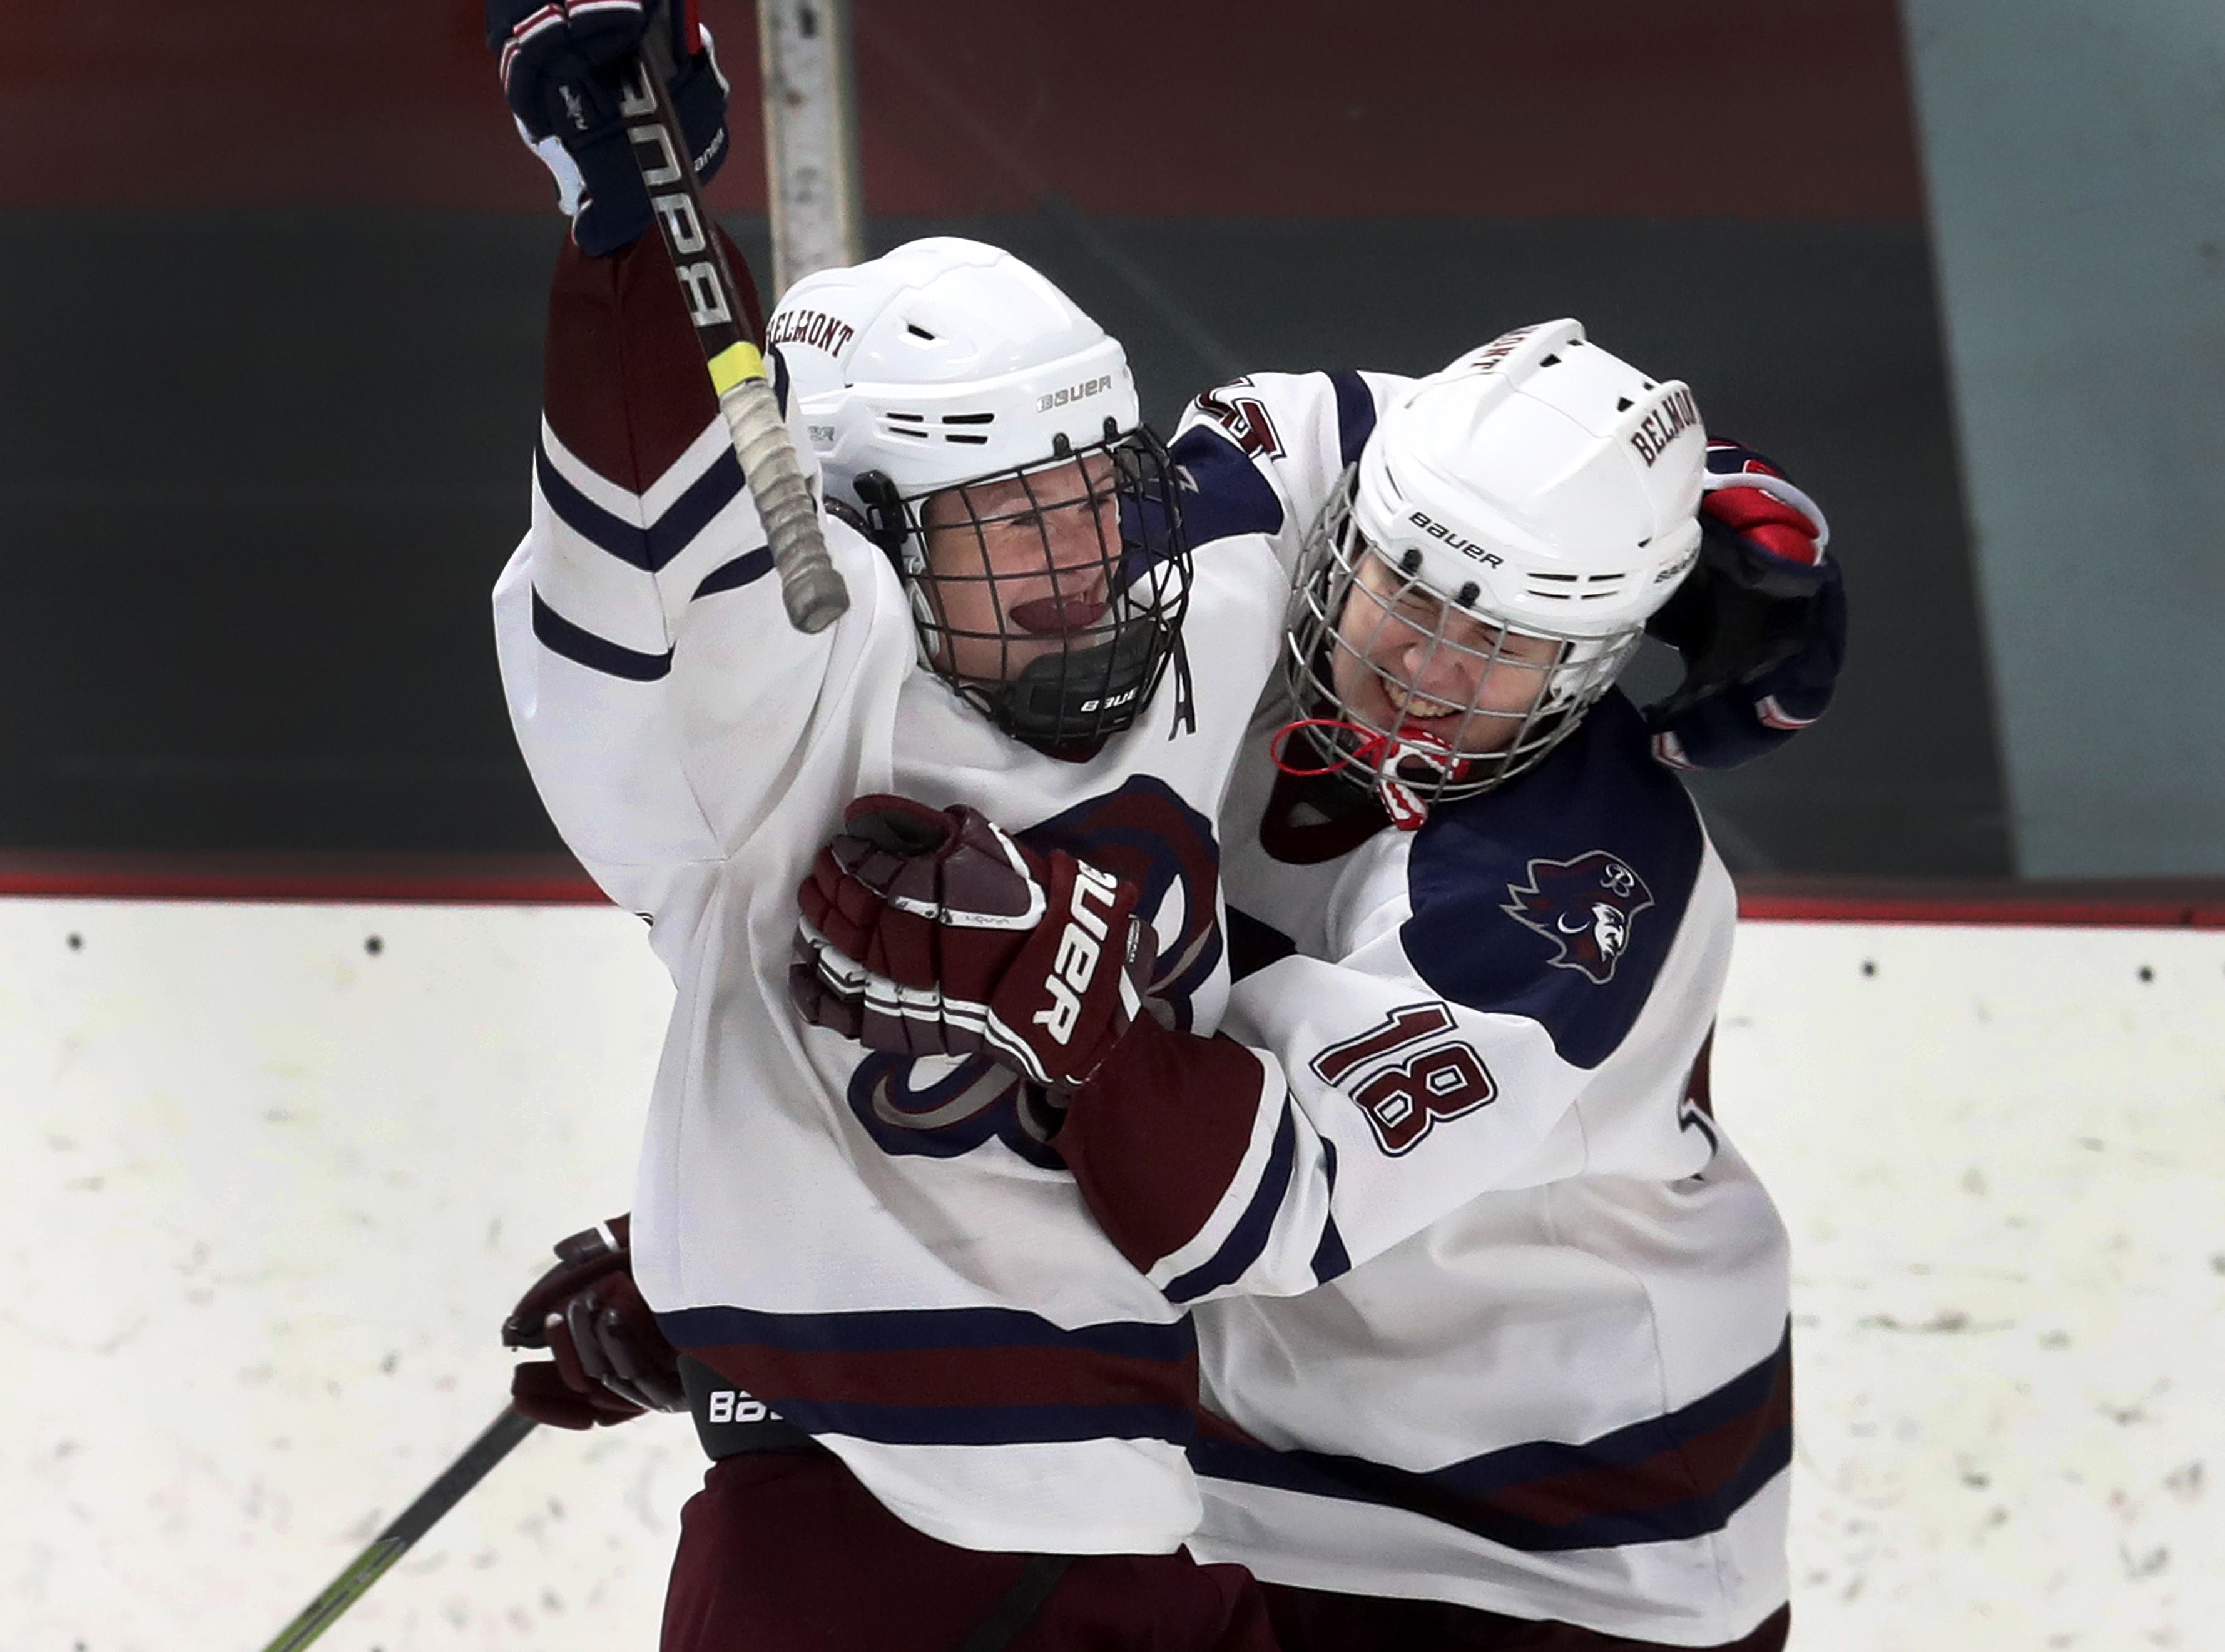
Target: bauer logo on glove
column 930, row 932
column 1079, row 946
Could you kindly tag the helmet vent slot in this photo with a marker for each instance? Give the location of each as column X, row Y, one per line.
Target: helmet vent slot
column 918, row 332
column 963, row 438
column 1623, row 404
column 1554, row 587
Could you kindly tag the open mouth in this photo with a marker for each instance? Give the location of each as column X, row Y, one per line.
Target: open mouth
column 1058, row 616
column 1413, row 707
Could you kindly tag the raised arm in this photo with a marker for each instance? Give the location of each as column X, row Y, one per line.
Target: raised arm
column 661, row 697
column 661, row 700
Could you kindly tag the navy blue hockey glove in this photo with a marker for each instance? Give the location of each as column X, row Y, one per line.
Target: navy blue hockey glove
column 611, row 1362
column 1761, row 622
column 563, row 62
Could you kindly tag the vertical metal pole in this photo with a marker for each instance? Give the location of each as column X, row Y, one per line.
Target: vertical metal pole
column 811, row 137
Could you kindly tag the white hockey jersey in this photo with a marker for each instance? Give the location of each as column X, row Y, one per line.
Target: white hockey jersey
column 884, row 1249
column 1504, row 1321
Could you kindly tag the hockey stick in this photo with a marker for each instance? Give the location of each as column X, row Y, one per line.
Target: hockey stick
column 406, row 1528
column 812, row 590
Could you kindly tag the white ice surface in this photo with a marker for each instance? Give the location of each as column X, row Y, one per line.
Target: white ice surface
column 2002, row 1158
column 266, row 1198
column 266, row 1194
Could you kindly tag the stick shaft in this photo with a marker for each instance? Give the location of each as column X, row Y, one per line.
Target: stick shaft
column 812, row 591
column 406, row 1527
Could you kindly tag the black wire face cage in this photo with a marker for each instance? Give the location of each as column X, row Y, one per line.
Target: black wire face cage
column 1444, row 702
column 1050, row 596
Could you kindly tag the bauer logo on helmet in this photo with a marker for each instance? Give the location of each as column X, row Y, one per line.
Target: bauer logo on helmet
column 1073, row 392
column 1466, row 547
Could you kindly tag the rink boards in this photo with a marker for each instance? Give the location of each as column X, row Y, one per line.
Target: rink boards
column 273, row 1172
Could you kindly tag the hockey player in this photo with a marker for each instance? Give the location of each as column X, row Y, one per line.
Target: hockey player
column 1494, row 1314
column 885, row 1252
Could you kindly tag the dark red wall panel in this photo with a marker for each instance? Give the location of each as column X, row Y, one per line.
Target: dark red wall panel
column 1748, row 108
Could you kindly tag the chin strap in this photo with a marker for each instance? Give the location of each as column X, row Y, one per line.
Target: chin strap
column 1386, row 754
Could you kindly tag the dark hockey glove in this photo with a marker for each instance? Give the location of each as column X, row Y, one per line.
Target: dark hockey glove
column 611, row 1362
column 1761, row 622
column 563, row 62
column 930, row 932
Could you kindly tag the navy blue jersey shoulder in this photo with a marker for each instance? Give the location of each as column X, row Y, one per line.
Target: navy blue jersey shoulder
column 1355, row 413
column 1222, row 492
column 1557, row 896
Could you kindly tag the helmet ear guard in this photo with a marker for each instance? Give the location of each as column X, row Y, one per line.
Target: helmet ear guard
column 882, row 517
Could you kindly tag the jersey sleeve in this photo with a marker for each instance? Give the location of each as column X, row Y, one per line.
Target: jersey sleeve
column 1260, row 454
column 1270, row 1158
column 1506, row 1005
column 663, row 704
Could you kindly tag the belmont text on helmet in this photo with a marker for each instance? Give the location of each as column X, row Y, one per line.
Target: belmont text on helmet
column 1677, row 413
column 813, row 327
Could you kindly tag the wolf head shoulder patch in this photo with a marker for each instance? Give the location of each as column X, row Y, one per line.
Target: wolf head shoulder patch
column 1586, row 906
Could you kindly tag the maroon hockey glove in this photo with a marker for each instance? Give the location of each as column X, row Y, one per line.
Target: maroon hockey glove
column 930, row 932
column 611, row 1362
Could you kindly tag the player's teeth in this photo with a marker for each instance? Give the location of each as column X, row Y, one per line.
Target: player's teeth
column 1405, row 700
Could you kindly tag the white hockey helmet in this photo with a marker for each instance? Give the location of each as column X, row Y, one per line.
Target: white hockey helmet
column 947, row 364
column 1538, row 487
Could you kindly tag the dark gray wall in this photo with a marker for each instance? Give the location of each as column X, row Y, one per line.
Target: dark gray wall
column 257, row 471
